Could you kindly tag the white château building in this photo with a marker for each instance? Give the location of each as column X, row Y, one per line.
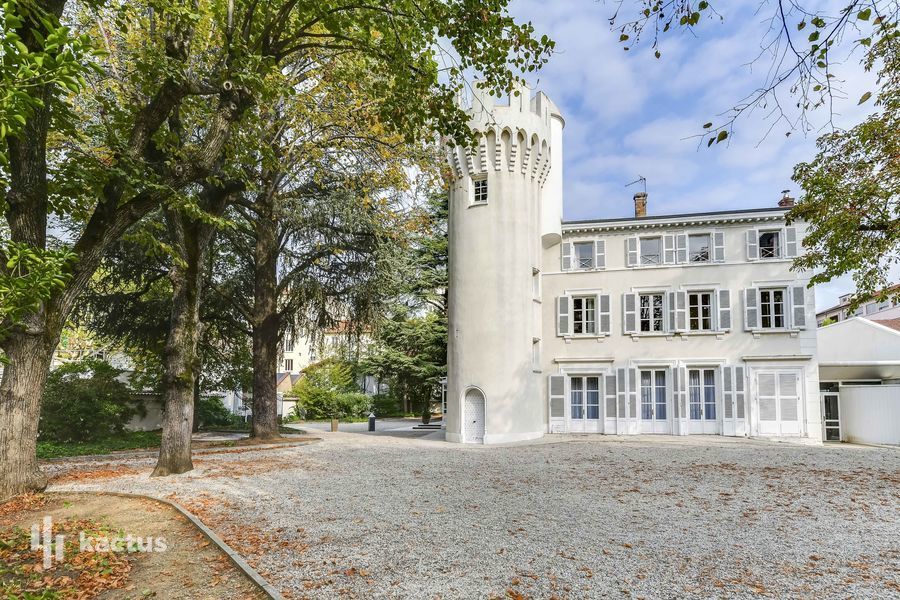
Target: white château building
column 677, row 324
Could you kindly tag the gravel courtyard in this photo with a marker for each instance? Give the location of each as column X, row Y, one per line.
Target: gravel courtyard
column 405, row 516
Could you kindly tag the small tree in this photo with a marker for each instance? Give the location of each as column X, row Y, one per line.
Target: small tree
column 85, row 401
column 328, row 390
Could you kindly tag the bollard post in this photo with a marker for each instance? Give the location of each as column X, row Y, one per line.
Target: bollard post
column 371, row 421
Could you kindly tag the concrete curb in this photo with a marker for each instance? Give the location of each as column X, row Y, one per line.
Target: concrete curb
column 197, row 452
column 235, row 558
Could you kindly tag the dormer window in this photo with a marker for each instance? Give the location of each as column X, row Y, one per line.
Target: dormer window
column 584, row 255
column 769, row 244
column 480, row 187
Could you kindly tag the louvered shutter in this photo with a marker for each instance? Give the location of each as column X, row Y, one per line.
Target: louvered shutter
column 740, row 410
column 631, row 251
column 676, row 389
column 622, row 399
column 798, row 306
column 724, row 306
column 610, row 381
column 563, row 315
column 600, row 252
column 557, row 391
column 603, row 317
column 669, row 249
column 629, row 313
column 752, row 245
column 566, row 256
column 790, row 242
column 680, row 311
column 728, row 390
column 751, row 308
column 718, row 246
column 669, row 325
column 632, row 393
column 681, row 247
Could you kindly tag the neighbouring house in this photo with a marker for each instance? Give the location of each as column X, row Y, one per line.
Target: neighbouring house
column 859, row 373
column 668, row 324
column 873, row 309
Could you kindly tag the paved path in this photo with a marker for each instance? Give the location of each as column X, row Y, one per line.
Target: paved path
column 389, row 515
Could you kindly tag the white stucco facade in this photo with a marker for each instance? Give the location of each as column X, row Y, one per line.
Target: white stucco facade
column 683, row 324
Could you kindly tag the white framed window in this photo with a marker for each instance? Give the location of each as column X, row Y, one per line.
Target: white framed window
column 584, row 398
column 651, row 250
column 289, row 364
column 770, row 244
column 480, row 190
column 584, row 255
column 288, row 342
column 584, row 315
column 653, row 395
column 702, row 394
column 699, row 247
column 771, row 308
column 651, row 313
column 700, row 311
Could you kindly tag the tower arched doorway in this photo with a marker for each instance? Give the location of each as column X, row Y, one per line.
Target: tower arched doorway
column 473, row 416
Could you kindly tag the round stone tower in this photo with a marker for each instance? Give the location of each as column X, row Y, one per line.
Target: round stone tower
column 505, row 203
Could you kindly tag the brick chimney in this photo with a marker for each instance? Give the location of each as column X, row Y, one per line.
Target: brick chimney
column 785, row 202
column 640, row 204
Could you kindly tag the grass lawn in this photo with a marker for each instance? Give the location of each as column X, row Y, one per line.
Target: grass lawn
column 130, row 440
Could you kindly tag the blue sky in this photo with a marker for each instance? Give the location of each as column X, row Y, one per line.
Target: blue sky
column 628, row 114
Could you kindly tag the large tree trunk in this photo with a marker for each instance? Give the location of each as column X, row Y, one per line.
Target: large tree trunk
column 180, row 365
column 266, row 328
column 20, row 408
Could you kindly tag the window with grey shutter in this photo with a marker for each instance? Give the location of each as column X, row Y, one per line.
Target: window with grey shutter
column 600, row 250
column 610, row 396
column 631, row 251
column 566, row 256
column 719, row 246
column 751, row 308
column 681, row 247
column 605, row 321
column 629, row 313
column 798, row 303
column 790, row 242
column 563, row 315
column 669, row 249
column 752, row 245
column 724, row 310
column 557, row 388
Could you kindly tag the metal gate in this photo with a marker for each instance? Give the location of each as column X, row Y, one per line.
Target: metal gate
column 473, row 415
column 831, row 412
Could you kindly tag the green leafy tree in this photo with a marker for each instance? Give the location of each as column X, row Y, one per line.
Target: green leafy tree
column 85, row 401
column 851, row 195
column 410, row 348
column 328, row 390
column 177, row 80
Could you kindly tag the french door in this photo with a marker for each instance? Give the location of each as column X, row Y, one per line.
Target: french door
column 703, row 414
column 654, row 401
column 584, row 404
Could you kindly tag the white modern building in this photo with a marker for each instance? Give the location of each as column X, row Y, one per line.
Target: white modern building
column 675, row 324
